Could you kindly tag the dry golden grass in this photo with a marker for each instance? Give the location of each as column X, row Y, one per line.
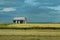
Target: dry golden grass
column 35, row 25
column 31, row 25
column 28, row 25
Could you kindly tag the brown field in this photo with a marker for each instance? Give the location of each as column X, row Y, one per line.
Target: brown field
column 29, row 34
column 25, row 37
column 40, row 34
column 43, row 32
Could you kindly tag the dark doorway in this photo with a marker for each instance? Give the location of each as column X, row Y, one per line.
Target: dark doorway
column 21, row 21
column 14, row 21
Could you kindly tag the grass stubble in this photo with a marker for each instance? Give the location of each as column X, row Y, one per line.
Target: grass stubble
column 30, row 37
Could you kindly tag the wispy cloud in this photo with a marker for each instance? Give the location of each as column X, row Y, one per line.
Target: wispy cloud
column 55, row 7
column 8, row 9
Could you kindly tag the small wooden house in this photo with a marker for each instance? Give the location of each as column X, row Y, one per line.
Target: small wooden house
column 19, row 20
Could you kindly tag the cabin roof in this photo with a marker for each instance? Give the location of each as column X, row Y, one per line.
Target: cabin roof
column 19, row 18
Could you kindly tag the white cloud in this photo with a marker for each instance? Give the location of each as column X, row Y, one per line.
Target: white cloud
column 55, row 8
column 8, row 9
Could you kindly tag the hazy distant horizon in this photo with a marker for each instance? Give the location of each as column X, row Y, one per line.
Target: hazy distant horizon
column 34, row 10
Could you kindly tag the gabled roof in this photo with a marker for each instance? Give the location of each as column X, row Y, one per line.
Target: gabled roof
column 19, row 18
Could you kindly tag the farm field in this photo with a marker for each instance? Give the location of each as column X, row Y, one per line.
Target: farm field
column 31, row 34
column 29, row 25
column 29, row 31
column 35, row 25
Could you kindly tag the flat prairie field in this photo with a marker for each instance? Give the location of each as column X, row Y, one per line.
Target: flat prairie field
column 30, row 34
column 35, row 25
column 29, row 25
column 34, row 33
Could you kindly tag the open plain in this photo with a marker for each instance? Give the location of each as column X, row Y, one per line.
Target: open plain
column 19, row 32
column 30, row 34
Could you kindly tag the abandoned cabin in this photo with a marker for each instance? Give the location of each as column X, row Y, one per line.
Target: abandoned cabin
column 19, row 20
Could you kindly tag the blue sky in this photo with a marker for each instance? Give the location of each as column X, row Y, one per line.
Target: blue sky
column 34, row 10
